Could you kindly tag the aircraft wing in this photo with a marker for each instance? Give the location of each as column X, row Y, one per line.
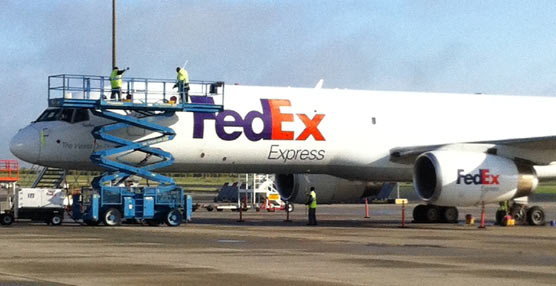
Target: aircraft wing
column 536, row 150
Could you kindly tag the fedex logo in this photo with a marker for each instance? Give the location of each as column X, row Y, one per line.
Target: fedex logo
column 482, row 178
column 271, row 117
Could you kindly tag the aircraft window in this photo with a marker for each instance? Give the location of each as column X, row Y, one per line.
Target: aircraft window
column 81, row 115
column 49, row 115
column 66, row 115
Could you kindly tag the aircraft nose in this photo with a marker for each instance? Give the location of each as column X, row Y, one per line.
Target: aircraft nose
column 26, row 144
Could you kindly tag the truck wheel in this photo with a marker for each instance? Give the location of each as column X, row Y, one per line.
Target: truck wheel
column 173, row 218
column 112, row 217
column 210, row 208
column 56, row 220
column 535, row 216
column 6, row 219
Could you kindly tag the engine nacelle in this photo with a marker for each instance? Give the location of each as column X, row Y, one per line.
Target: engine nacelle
column 329, row 189
column 449, row 178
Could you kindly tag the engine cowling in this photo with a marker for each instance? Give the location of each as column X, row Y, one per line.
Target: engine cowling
column 450, row 178
column 329, row 189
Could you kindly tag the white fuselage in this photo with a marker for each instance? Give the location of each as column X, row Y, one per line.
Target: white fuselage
column 345, row 133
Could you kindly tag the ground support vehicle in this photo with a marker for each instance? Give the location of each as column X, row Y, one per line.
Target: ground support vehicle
column 148, row 105
column 150, row 205
column 36, row 204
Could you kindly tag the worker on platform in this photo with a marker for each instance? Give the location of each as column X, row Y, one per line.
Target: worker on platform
column 116, row 82
column 312, row 203
column 182, row 84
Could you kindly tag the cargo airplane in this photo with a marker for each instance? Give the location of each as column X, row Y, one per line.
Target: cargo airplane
column 457, row 149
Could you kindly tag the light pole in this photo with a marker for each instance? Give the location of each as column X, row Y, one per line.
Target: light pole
column 113, row 33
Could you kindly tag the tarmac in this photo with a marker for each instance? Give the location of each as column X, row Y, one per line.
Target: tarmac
column 344, row 249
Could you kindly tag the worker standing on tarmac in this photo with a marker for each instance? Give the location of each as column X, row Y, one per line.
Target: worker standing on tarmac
column 182, row 84
column 116, row 82
column 312, row 203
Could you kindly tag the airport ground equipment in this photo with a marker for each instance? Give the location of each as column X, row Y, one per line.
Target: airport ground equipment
column 36, row 204
column 50, row 178
column 148, row 204
column 383, row 197
column 146, row 103
column 254, row 191
column 9, row 171
column 9, row 175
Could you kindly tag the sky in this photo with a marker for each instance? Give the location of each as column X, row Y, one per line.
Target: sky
column 495, row 47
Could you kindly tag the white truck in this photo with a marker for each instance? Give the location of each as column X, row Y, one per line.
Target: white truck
column 35, row 204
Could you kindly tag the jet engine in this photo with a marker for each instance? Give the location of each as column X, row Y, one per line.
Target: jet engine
column 449, row 178
column 329, row 189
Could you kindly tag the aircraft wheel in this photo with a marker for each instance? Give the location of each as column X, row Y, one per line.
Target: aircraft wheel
column 535, row 216
column 450, row 215
column 112, row 217
column 419, row 214
column 519, row 213
column 173, row 218
column 500, row 214
column 432, row 214
column 6, row 219
column 56, row 219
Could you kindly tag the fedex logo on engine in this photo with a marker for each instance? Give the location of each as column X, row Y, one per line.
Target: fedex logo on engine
column 271, row 117
column 484, row 177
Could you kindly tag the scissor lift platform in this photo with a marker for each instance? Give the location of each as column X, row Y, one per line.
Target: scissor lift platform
column 145, row 101
column 86, row 91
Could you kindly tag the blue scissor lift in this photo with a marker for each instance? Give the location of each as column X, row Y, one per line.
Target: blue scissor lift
column 145, row 104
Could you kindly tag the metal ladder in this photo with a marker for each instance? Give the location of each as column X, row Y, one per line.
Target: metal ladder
column 49, row 178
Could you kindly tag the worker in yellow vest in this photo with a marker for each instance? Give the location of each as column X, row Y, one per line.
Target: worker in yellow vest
column 312, row 203
column 182, row 84
column 116, row 82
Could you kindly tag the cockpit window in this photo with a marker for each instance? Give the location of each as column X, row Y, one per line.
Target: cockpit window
column 49, row 115
column 68, row 115
column 80, row 115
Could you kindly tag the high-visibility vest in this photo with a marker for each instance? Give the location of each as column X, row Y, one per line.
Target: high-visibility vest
column 313, row 204
column 115, row 79
column 183, row 76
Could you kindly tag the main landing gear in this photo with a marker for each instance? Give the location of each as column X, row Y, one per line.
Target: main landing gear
column 435, row 214
column 522, row 214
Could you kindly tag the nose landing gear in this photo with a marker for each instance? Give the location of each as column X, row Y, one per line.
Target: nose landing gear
column 522, row 213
